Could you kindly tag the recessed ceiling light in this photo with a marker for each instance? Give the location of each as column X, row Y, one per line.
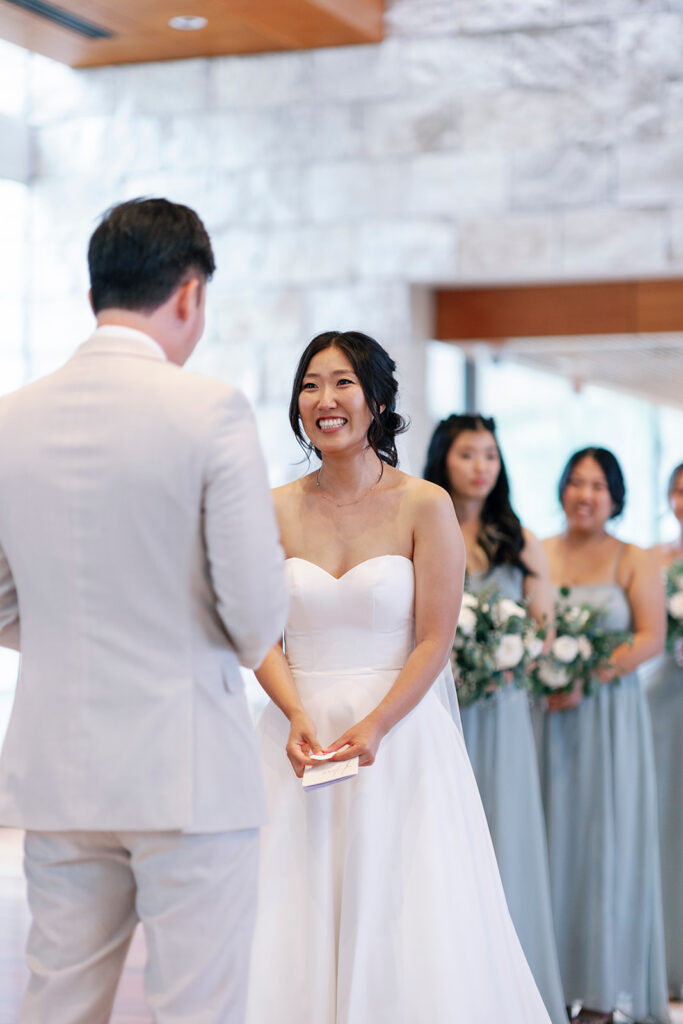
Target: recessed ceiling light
column 188, row 22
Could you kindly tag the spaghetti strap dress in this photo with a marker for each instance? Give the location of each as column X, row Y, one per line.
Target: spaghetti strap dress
column 599, row 794
column 500, row 742
column 665, row 699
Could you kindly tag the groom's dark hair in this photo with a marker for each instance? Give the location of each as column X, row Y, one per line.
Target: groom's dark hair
column 142, row 251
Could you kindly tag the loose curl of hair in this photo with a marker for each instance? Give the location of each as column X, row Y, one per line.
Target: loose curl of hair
column 375, row 370
column 500, row 532
column 673, row 479
column 609, row 464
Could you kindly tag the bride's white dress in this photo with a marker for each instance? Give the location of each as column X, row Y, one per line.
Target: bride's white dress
column 380, row 900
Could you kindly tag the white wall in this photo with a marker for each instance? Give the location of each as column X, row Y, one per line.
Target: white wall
column 483, row 140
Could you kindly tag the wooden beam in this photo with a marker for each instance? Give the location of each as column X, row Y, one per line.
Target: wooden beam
column 141, row 32
column 529, row 311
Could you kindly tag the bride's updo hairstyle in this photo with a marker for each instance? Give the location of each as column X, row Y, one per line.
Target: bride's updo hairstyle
column 375, row 370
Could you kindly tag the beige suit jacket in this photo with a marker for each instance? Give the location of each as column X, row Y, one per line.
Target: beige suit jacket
column 139, row 564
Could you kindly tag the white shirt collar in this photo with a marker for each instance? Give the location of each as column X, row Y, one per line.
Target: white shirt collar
column 117, row 331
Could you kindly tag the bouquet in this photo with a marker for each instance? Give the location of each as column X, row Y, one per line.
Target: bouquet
column 494, row 643
column 580, row 648
column 674, row 604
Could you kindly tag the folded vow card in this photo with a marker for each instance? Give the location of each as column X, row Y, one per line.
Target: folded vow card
column 325, row 774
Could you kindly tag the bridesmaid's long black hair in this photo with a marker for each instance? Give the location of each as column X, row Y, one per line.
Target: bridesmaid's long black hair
column 500, row 534
column 375, row 370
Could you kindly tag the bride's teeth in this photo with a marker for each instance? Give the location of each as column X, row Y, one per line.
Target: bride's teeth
column 330, row 424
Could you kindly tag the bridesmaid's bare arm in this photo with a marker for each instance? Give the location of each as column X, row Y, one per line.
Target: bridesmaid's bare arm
column 538, row 589
column 645, row 595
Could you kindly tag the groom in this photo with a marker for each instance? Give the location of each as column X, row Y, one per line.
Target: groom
column 139, row 566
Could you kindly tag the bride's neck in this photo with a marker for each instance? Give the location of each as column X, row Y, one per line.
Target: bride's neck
column 346, row 474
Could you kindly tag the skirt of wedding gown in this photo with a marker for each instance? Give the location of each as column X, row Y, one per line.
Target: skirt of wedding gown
column 380, row 900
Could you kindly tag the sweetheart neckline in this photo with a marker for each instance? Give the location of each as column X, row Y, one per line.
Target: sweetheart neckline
column 375, row 558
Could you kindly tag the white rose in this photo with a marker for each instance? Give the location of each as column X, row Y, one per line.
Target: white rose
column 510, row 651
column 577, row 616
column 585, row 647
column 675, row 605
column 565, row 648
column 533, row 644
column 469, row 600
column 467, row 621
column 506, row 609
column 553, row 677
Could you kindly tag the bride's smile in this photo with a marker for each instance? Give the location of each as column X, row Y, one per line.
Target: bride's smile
column 332, row 405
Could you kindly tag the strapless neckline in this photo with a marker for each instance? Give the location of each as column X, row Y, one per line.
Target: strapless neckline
column 375, row 558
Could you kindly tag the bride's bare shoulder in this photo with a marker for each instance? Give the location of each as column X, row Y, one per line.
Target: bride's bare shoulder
column 423, row 493
column 288, row 497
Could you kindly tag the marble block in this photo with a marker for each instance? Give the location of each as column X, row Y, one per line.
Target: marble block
column 561, row 176
column 562, row 58
column 410, row 250
column 509, row 247
column 651, row 173
column 609, row 241
column 452, row 183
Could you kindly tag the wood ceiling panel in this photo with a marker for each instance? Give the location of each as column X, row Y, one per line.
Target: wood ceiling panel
column 234, row 26
column 527, row 311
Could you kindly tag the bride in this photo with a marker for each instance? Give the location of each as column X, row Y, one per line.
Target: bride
column 380, row 899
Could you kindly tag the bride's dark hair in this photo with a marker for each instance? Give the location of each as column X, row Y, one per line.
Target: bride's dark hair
column 375, row 370
column 500, row 533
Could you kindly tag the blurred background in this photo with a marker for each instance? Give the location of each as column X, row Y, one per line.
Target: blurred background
column 352, row 162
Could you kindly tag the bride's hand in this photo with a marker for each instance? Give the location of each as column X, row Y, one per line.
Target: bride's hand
column 302, row 742
column 361, row 740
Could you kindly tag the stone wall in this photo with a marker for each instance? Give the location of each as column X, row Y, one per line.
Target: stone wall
column 484, row 140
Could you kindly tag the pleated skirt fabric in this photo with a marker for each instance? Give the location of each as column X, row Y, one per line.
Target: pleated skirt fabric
column 599, row 793
column 500, row 743
column 665, row 699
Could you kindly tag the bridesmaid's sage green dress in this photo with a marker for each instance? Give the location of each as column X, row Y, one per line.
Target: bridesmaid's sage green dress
column 500, row 744
column 599, row 793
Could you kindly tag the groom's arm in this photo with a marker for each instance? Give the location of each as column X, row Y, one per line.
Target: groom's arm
column 245, row 558
column 9, row 606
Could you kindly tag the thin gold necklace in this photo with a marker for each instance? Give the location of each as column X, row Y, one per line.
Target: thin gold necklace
column 345, row 504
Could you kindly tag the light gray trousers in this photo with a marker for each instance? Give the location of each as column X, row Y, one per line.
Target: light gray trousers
column 195, row 896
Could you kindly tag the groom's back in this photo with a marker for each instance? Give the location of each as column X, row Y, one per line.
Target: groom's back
column 125, row 659
column 102, row 490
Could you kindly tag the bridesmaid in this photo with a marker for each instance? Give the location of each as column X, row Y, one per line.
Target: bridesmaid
column 598, row 766
column 665, row 695
column 465, row 459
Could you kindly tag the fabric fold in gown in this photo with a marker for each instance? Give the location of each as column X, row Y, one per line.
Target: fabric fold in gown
column 380, row 900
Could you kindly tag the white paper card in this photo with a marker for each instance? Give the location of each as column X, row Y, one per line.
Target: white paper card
column 325, row 774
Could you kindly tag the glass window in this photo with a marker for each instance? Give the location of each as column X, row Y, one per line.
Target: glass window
column 541, row 419
column 445, row 376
